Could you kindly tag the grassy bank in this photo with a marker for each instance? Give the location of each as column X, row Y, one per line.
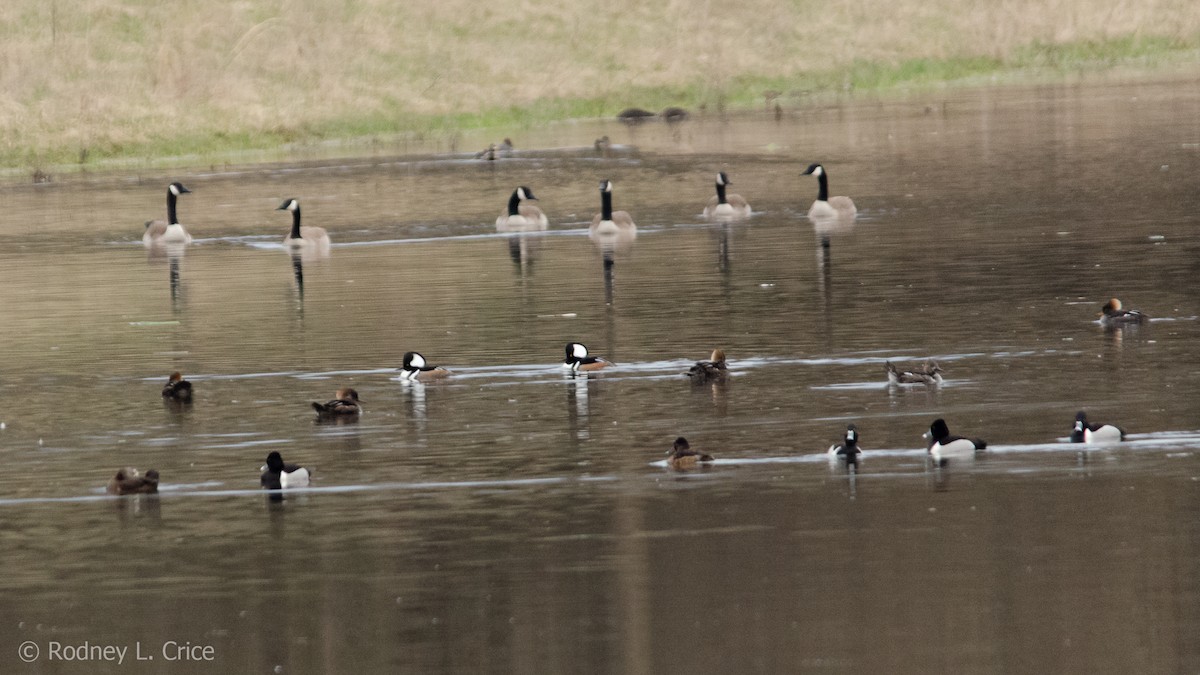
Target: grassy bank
column 97, row 80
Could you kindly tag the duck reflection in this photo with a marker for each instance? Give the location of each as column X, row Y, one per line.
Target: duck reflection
column 418, row 411
column 577, row 405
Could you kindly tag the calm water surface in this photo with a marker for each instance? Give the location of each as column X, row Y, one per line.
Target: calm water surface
column 513, row 519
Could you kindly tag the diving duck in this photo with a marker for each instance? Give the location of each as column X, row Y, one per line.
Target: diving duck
column 681, row 455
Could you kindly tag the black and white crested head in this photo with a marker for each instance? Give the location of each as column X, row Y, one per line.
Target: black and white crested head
column 576, row 350
column 289, row 205
column 177, row 189
column 413, row 360
column 606, row 186
column 274, row 462
column 524, row 193
column 938, row 430
column 814, row 170
column 723, row 179
column 851, row 434
column 1080, row 420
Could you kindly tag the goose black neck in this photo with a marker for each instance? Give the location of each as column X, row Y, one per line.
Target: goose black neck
column 172, row 219
column 721, row 194
column 513, row 203
column 823, row 181
column 606, row 205
column 296, row 223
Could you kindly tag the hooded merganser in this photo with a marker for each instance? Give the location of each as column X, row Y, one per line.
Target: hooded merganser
column 1111, row 314
column 944, row 446
column 1085, row 432
column 578, row 359
column 167, row 231
column 345, row 402
column 826, row 206
column 414, row 368
column 277, row 475
column 177, row 389
column 681, row 455
column 726, row 206
column 129, row 481
column 712, row 369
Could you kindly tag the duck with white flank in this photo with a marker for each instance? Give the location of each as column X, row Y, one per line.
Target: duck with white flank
column 1085, row 432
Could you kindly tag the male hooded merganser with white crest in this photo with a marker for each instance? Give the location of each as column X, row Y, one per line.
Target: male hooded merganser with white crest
column 930, row 373
column 578, row 360
column 609, row 222
column 681, row 455
column 278, row 475
column 1084, row 432
column 129, row 481
column 521, row 215
column 177, row 389
column 848, row 450
column 345, row 402
column 168, row 231
column 712, row 369
column 415, row 368
column 942, row 445
column 306, row 237
column 826, row 206
column 1112, row 314
column 726, row 205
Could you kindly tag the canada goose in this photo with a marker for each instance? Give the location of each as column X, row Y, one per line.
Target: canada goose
column 609, row 222
column 307, row 237
column 681, row 455
column 277, row 475
column 345, row 402
column 713, row 369
column 415, row 368
column 168, row 231
column 129, row 481
column 930, row 373
column 1095, row 433
column 848, row 450
column 177, row 389
column 825, row 206
column 726, row 206
column 521, row 216
column 1111, row 314
column 578, row 359
column 942, row 445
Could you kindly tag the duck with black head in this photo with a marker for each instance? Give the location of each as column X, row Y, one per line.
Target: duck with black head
column 578, row 359
column 942, row 445
column 279, row 475
column 848, row 450
column 415, row 368
column 1087, row 432
column 682, row 456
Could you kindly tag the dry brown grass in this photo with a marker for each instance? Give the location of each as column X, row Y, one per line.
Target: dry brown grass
column 111, row 75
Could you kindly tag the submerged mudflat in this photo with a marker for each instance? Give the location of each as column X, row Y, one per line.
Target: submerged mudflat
column 512, row 518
